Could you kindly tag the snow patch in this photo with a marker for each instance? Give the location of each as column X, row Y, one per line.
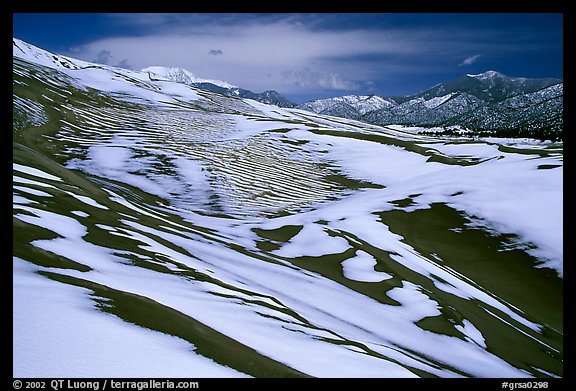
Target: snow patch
column 312, row 241
column 361, row 268
column 471, row 332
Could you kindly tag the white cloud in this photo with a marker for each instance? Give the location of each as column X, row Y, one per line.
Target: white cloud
column 470, row 60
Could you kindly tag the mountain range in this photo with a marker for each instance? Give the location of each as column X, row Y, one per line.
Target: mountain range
column 489, row 103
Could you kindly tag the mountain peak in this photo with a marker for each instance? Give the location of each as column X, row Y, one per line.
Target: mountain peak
column 184, row 76
column 487, row 75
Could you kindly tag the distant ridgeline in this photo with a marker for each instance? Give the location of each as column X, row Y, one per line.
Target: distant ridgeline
column 488, row 104
column 181, row 75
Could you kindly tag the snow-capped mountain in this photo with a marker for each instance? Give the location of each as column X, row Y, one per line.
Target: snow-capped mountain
column 490, row 86
column 181, row 75
column 184, row 76
column 348, row 106
column 489, row 102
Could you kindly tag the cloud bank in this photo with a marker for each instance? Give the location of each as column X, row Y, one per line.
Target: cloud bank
column 292, row 53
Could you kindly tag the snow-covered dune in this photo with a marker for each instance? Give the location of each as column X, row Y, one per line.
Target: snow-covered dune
column 162, row 230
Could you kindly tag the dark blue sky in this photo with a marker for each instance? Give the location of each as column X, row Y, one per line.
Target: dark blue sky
column 306, row 56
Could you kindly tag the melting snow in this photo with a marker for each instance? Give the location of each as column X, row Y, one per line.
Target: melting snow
column 361, row 268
